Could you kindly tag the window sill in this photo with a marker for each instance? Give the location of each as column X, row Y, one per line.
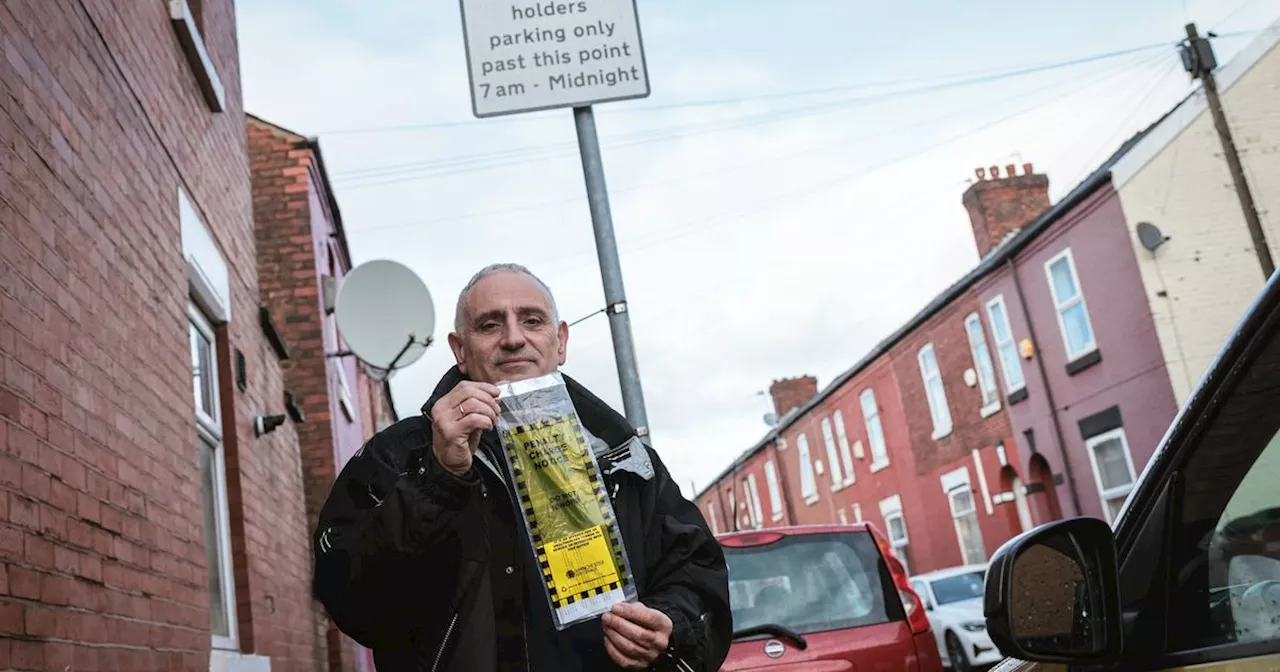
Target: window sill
column 197, row 55
column 777, row 517
column 879, row 466
column 811, row 500
column 837, row 487
column 1018, row 395
column 1083, row 362
column 990, row 409
column 943, row 433
column 849, row 482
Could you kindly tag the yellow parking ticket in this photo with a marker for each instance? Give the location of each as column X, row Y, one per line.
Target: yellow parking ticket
column 567, row 513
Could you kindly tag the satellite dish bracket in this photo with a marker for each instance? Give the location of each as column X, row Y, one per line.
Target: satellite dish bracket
column 409, row 343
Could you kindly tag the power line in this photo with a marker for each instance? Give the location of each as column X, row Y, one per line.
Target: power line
column 464, row 164
column 820, row 147
column 742, row 99
column 707, row 223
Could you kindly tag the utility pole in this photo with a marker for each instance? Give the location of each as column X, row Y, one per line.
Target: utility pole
column 1199, row 60
column 615, row 297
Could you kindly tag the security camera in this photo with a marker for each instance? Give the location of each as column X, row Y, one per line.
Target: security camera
column 265, row 424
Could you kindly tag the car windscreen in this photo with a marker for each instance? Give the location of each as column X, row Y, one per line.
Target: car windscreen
column 811, row 583
column 957, row 588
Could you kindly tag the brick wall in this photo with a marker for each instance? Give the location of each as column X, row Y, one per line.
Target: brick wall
column 102, row 558
column 298, row 230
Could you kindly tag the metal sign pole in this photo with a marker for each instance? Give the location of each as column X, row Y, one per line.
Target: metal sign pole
column 615, row 298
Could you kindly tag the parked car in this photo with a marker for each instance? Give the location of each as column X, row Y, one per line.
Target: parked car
column 1190, row 576
column 828, row 597
column 953, row 600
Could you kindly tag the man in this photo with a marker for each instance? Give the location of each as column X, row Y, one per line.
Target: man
column 421, row 554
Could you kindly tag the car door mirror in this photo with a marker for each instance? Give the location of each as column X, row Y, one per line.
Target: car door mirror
column 1051, row 594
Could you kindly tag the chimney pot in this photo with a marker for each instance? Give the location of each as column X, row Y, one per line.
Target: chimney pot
column 1001, row 207
column 981, row 173
column 792, row 393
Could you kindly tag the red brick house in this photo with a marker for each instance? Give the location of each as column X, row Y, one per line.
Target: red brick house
column 144, row 523
column 303, row 257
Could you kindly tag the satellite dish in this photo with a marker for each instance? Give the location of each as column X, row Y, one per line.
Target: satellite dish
column 385, row 315
column 1150, row 236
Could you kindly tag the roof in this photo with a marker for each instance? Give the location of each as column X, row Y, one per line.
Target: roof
column 949, row 572
column 994, row 260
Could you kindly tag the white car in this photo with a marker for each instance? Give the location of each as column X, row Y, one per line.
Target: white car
column 953, row 600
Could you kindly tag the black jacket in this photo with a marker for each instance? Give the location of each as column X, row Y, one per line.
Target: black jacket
column 431, row 570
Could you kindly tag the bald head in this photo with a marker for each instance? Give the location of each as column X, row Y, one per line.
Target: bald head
column 459, row 323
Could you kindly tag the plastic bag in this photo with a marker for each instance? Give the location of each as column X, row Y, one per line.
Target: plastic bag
column 566, row 509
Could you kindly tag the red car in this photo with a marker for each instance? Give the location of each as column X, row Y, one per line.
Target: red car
column 823, row 598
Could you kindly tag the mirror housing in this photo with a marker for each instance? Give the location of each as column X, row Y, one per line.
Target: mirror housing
column 1052, row 594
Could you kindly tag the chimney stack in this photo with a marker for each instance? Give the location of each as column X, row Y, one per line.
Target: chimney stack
column 999, row 205
column 792, row 393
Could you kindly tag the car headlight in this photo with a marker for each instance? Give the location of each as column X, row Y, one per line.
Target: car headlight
column 975, row 626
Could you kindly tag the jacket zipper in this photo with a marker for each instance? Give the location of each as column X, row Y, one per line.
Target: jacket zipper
column 444, row 643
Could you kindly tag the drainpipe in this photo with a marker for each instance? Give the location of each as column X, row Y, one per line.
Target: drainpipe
column 1048, row 389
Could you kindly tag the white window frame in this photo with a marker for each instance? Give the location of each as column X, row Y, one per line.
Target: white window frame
column 808, row 480
column 344, row 392
column 857, row 512
column 846, row 456
column 1059, row 306
column 184, row 22
column 757, row 511
column 890, row 508
column 875, row 430
column 939, row 411
column 711, row 517
column 982, row 365
column 733, row 508
column 1120, row 491
column 833, row 456
column 209, row 429
column 1007, row 367
column 775, row 492
column 953, row 484
column 844, row 517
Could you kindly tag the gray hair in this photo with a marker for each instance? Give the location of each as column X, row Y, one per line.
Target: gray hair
column 494, row 269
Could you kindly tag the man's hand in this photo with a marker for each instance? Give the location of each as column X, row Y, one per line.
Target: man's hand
column 635, row 635
column 458, row 419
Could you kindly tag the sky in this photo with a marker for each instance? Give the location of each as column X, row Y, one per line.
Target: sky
column 787, row 196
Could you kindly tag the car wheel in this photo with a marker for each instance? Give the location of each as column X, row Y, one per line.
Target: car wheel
column 955, row 651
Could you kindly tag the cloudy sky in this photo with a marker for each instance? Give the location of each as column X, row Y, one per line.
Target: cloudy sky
column 787, row 196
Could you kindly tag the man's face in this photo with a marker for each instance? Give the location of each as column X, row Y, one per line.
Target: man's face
column 509, row 332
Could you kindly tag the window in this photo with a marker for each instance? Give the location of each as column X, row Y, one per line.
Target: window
column 757, row 513
column 808, row 486
column 968, row 533
column 1224, row 562
column 775, row 496
column 811, row 583
column 846, row 457
column 217, row 531
column 732, row 517
column 935, row 392
column 875, row 433
column 344, row 392
column 1010, row 364
column 711, row 518
column 896, row 529
column 1112, row 470
column 844, row 519
column 1073, row 314
column 857, row 512
column 833, row 457
column 186, row 17
column 982, row 365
